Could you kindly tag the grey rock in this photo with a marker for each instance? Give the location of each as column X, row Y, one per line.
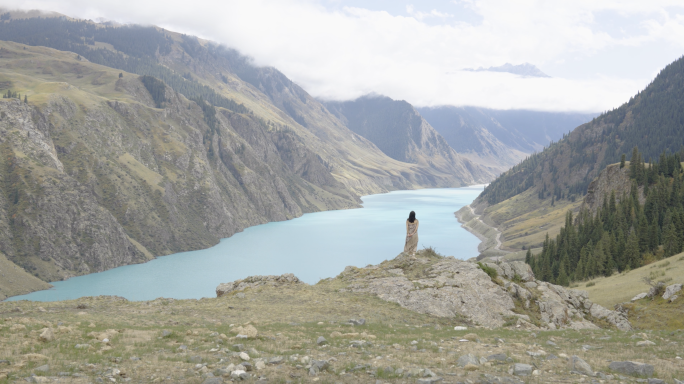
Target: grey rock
column 429, row 380
column 42, row 368
column 456, row 288
column 576, row 364
column 321, row 340
column 656, row 381
column 257, row 281
column 276, row 360
column 239, row 347
column 520, row 369
column 166, row 333
column 195, row 359
column 321, row 365
column 246, row 366
column 468, row 359
column 491, row 379
column 632, row 368
column 639, row 296
column 357, row 321
column 213, row 380
column 671, row 290
column 551, row 357
column 551, row 343
column 678, row 381
column 497, row 357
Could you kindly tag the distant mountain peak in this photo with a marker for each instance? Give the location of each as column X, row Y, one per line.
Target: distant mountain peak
column 525, row 69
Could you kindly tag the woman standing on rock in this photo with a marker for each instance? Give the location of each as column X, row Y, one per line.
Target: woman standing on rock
column 411, row 234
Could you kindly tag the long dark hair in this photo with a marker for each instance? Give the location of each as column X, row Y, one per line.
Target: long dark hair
column 412, row 217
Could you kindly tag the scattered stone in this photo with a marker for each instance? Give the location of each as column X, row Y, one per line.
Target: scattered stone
column 632, row 368
column 671, row 290
column 42, row 368
column 645, row 343
column 259, row 365
column 357, row 321
column 470, row 367
column 497, row 357
column 551, row 343
column 82, row 346
column 256, row 281
column 166, row 333
column 536, row 353
column 460, row 328
column 519, row 369
column 213, row 380
column 244, row 356
column 639, row 296
column 276, row 360
column 467, row 359
column 471, row 337
column 321, row 340
column 429, row 380
column 195, row 359
column 247, row 331
column 656, row 381
column 246, row 366
column 576, row 364
column 335, row 334
column 46, row 335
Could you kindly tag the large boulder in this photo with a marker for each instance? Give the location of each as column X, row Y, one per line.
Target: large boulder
column 448, row 287
column 510, row 269
column 632, row 368
column 257, row 281
column 671, row 290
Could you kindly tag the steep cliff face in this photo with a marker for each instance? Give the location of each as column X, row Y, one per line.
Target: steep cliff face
column 397, row 129
column 611, row 180
column 97, row 177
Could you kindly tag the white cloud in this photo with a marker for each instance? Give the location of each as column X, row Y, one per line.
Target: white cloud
column 345, row 53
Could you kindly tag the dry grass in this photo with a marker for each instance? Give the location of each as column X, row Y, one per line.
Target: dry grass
column 16, row 281
column 525, row 220
column 620, row 288
column 289, row 321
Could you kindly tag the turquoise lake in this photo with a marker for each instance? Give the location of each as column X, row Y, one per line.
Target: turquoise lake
column 314, row 246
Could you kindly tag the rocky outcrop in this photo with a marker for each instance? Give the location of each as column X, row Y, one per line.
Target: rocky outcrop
column 612, row 179
column 252, row 282
column 671, row 290
column 448, row 287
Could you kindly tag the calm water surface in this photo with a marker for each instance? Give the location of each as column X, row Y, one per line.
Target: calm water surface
column 314, row 246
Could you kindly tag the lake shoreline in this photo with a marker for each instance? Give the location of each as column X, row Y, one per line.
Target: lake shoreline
column 248, row 229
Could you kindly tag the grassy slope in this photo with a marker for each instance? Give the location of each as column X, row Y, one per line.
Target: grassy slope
column 619, row 288
column 15, row 280
column 645, row 313
column 525, row 220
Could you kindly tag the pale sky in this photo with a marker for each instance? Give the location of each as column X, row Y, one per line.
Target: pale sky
column 599, row 53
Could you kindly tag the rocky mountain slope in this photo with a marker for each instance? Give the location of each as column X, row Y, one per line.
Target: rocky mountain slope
column 651, row 120
column 500, row 138
column 532, row 198
column 400, row 132
column 101, row 167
